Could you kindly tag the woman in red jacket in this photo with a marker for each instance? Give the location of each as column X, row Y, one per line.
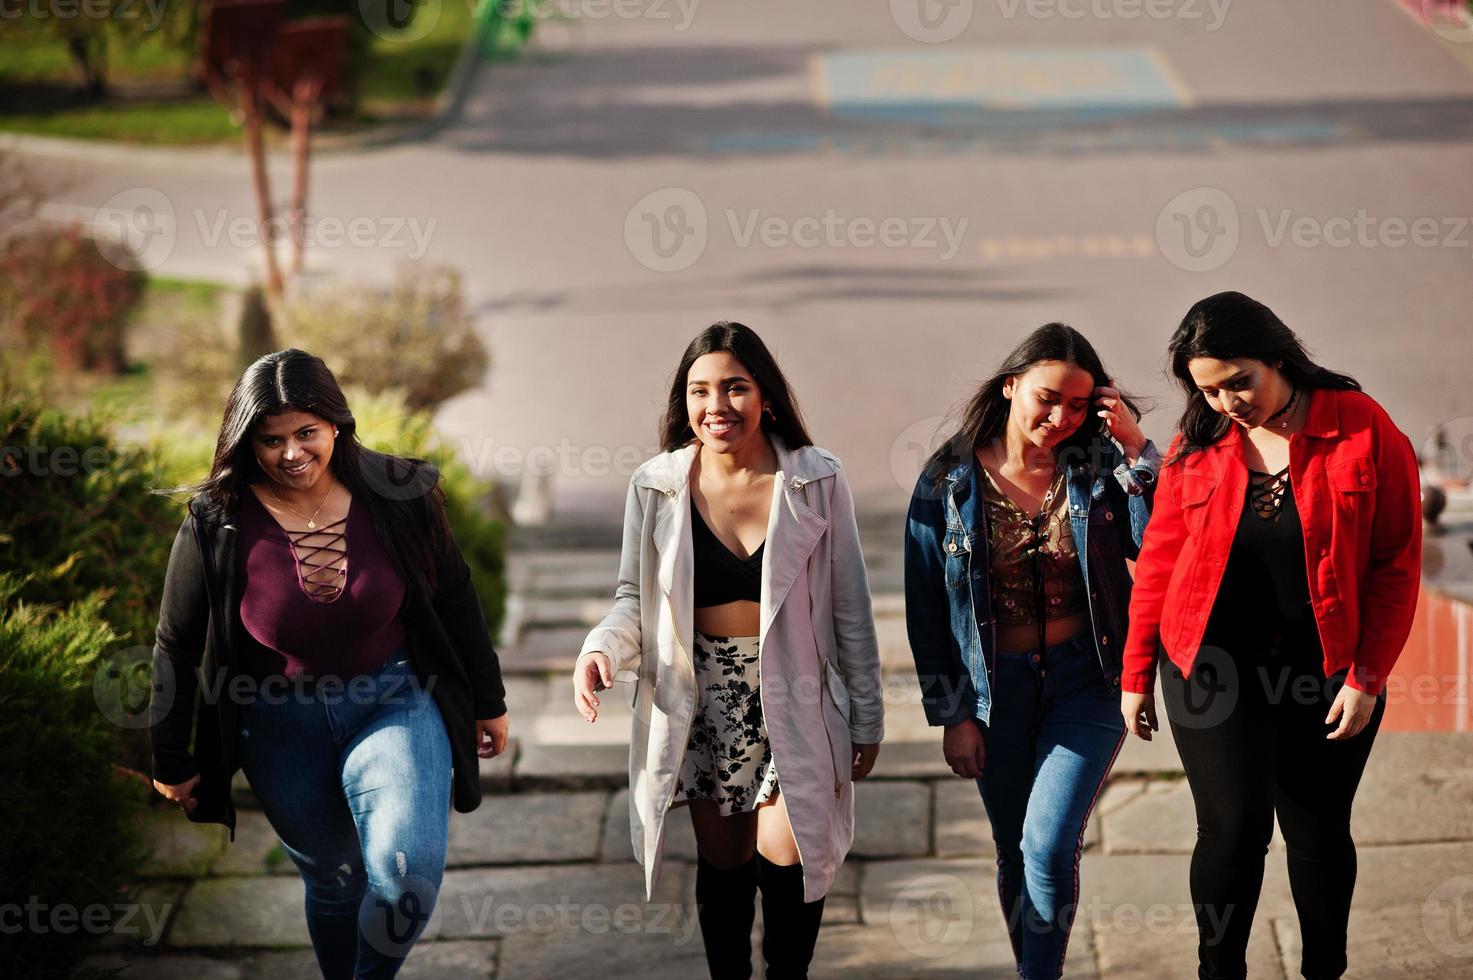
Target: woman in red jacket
column 1279, row 577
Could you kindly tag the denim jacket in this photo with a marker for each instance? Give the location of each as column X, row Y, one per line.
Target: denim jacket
column 948, row 594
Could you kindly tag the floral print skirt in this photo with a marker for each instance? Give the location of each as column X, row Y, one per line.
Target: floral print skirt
column 727, row 758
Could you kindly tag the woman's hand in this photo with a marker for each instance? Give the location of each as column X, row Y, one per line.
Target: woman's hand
column 1120, row 422
column 180, row 794
column 592, row 673
column 1354, row 709
column 491, row 736
column 864, row 759
column 1139, row 711
column 964, row 749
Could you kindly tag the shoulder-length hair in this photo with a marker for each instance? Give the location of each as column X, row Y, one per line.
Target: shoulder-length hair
column 403, row 494
column 742, row 343
column 985, row 417
column 1226, row 326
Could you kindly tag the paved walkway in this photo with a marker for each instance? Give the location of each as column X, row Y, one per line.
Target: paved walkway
column 542, row 883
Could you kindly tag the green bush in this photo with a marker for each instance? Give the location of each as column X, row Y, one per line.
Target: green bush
column 385, row 423
column 416, row 336
column 69, row 818
column 77, row 516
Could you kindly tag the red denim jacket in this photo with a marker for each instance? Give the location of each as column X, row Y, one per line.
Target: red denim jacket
column 1355, row 482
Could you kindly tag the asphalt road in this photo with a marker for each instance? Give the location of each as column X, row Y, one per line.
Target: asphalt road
column 893, row 194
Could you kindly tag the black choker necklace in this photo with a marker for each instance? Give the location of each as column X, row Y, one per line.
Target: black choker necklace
column 1288, row 410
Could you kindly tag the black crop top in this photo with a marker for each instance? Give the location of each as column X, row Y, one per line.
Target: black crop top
column 720, row 575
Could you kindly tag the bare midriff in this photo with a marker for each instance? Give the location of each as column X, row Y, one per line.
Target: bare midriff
column 1023, row 637
column 740, row 618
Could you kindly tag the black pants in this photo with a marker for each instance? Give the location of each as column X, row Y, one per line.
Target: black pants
column 1251, row 733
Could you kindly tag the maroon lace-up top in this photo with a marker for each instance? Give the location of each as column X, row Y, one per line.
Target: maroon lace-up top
column 322, row 602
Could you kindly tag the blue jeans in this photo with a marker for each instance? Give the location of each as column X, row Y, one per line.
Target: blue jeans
column 354, row 777
column 1054, row 733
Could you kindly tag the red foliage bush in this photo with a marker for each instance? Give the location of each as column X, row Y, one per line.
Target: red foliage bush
column 59, row 293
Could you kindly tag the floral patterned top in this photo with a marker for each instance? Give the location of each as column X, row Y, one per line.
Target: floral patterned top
column 1022, row 548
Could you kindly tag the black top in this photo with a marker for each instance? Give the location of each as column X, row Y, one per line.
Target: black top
column 720, row 575
column 200, row 643
column 1263, row 605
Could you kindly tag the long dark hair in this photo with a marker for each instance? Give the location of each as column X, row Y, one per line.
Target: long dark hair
column 985, row 417
column 1227, row 326
column 742, row 343
column 403, row 494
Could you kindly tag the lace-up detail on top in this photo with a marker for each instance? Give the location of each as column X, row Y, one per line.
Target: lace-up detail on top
column 322, row 563
column 1266, row 492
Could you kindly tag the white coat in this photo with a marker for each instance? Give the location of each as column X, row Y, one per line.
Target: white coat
column 819, row 665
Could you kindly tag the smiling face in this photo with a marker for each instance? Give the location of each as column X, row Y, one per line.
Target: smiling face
column 293, row 448
column 1050, row 401
column 1246, row 390
column 723, row 403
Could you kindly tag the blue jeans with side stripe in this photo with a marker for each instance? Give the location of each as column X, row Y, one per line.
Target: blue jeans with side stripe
column 355, row 780
column 1054, row 733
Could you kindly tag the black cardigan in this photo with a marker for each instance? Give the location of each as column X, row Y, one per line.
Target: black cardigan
column 200, row 638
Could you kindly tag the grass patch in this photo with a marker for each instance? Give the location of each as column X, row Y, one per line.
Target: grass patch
column 154, row 102
column 196, row 120
column 403, row 71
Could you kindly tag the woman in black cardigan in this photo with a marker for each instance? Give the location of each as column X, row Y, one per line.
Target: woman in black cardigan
column 319, row 614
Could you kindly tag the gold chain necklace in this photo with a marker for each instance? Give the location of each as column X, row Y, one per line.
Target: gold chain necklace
column 311, row 521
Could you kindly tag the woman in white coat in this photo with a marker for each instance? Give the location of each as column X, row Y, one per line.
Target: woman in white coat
column 743, row 614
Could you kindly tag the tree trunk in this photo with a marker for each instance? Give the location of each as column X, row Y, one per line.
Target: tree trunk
column 304, row 107
column 90, row 66
column 251, row 109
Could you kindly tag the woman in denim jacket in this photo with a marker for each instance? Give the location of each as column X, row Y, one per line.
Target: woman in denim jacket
column 1016, row 592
